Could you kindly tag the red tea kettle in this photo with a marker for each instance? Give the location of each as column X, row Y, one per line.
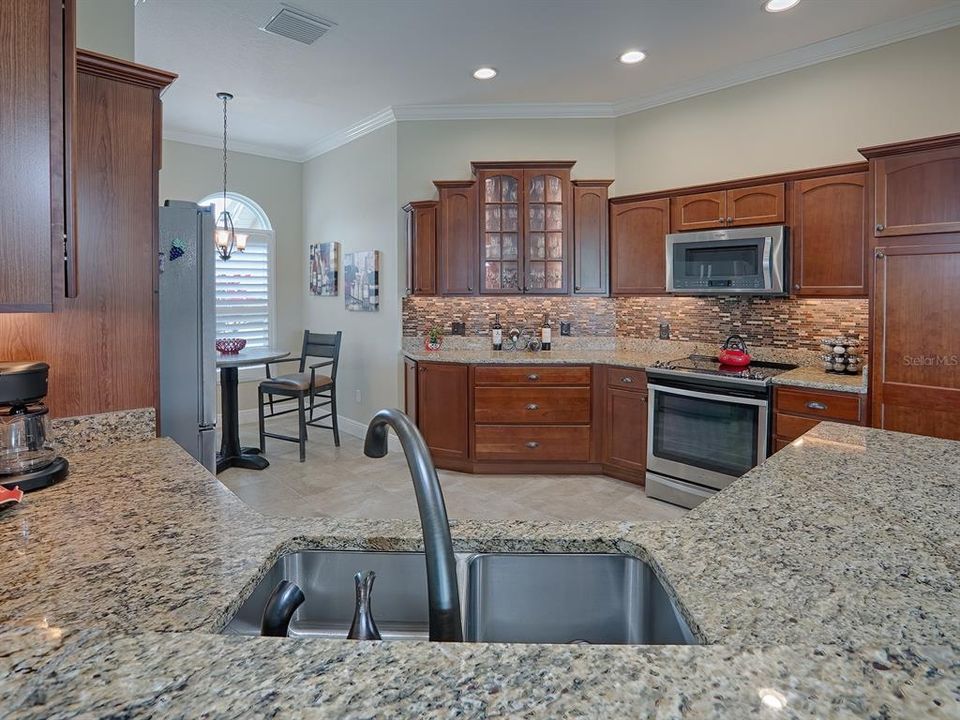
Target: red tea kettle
column 734, row 352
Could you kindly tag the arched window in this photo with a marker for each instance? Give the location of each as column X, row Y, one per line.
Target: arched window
column 244, row 283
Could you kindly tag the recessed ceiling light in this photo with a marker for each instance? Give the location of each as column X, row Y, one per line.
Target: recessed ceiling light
column 779, row 5
column 485, row 73
column 632, row 57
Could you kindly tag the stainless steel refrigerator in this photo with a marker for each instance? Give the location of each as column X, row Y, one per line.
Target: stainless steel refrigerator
column 188, row 374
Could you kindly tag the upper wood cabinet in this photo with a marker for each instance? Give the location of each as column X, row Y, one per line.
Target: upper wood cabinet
column 525, row 227
column 829, row 236
column 457, row 237
column 591, row 244
column 422, row 247
column 36, row 187
column 637, row 246
column 699, row 211
column 737, row 207
column 915, row 187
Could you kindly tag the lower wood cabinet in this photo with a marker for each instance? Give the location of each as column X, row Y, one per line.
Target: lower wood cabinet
column 543, row 443
column 625, row 424
column 443, row 407
column 410, row 388
column 797, row 410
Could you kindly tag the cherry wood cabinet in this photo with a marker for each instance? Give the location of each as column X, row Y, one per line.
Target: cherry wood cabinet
column 36, row 185
column 797, row 410
column 422, row 247
column 410, row 388
column 591, row 242
column 625, row 424
column 829, row 236
column 637, row 255
column 915, row 187
column 736, row 207
column 443, row 405
column 915, row 339
column 525, row 217
column 457, row 237
column 102, row 345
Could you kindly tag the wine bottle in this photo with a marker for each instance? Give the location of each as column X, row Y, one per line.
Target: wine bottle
column 497, row 332
column 545, row 332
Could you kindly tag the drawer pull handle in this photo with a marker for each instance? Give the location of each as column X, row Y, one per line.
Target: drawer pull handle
column 533, row 444
column 533, row 406
column 533, row 376
column 626, row 380
column 814, row 405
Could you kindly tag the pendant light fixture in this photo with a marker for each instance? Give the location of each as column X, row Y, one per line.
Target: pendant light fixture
column 225, row 236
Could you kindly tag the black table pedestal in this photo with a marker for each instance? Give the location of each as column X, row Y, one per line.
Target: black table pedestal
column 231, row 454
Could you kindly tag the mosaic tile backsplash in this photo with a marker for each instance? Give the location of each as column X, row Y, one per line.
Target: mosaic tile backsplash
column 788, row 323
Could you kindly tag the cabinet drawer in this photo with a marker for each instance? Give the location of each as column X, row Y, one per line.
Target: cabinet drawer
column 844, row 407
column 532, row 375
column 532, row 405
column 626, row 378
column 533, row 442
column 790, row 427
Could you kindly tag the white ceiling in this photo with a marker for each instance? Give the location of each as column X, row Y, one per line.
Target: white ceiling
column 417, row 56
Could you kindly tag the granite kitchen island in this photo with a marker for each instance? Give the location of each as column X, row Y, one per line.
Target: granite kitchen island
column 824, row 581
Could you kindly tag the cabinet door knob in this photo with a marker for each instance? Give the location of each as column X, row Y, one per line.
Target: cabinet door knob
column 577, row 288
column 796, row 286
column 879, row 254
column 881, row 227
column 533, row 376
column 814, row 405
column 626, row 380
column 533, row 406
column 533, row 444
column 469, row 288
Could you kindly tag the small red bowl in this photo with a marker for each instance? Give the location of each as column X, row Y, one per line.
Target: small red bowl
column 231, row 346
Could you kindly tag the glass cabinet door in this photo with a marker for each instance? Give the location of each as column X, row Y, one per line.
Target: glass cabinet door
column 545, row 246
column 501, row 221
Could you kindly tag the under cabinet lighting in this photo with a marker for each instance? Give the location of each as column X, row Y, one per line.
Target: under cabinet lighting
column 485, row 73
column 632, row 57
column 775, row 6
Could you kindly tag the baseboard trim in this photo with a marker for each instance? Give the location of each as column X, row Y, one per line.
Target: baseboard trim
column 348, row 426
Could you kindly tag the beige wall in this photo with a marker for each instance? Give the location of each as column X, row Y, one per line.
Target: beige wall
column 806, row 118
column 191, row 172
column 106, row 26
column 350, row 197
column 431, row 150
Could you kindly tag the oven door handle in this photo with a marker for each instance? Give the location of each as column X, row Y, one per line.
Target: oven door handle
column 733, row 399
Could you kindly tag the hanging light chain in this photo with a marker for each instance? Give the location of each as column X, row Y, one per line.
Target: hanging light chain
column 225, row 98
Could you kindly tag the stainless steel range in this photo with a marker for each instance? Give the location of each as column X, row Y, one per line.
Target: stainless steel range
column 708, row 424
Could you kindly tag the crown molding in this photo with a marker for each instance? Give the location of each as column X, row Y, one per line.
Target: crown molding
column 214, row 141
column 831, row 49
column 504, row 111
column 364, row 127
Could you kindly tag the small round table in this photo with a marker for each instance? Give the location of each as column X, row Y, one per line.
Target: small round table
column 231, row 454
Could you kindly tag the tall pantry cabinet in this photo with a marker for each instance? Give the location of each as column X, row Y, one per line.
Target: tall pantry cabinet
column 915, row 335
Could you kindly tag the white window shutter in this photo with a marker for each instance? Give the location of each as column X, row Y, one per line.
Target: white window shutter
column 245, row 292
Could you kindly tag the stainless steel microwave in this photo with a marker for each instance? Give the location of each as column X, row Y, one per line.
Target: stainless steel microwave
column 750, row 261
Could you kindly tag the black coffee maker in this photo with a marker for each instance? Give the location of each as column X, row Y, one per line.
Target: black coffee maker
column 28, row 459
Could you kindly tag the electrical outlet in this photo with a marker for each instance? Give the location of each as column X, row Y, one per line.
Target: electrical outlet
column 664, row 331
column 357, row 396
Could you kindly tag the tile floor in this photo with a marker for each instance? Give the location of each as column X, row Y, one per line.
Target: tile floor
column 342, row 482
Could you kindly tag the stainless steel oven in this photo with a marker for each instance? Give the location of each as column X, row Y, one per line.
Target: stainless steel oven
column 700, row 438
column 738, row 260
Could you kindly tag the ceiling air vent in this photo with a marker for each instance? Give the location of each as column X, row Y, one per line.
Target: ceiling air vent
column 299, row 25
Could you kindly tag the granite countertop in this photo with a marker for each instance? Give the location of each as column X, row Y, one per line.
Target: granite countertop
column 828, row 575
column 806, row 376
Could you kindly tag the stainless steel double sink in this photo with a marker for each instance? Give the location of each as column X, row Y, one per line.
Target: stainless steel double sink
column 504, row 597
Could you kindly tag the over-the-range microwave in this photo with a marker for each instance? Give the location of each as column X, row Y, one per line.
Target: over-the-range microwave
column 750, row 261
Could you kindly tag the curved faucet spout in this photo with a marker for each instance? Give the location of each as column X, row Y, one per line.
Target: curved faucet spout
column 444, row 598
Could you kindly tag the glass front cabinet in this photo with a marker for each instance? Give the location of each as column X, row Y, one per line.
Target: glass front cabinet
column 525, row 223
